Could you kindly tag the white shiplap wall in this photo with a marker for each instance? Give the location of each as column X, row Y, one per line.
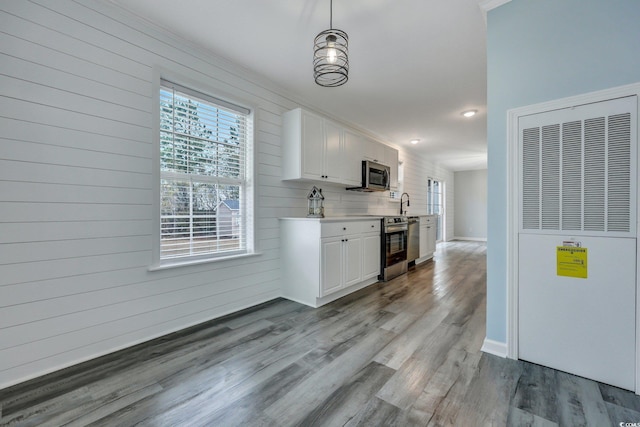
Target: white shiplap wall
column 76, row 198
column 417, row 169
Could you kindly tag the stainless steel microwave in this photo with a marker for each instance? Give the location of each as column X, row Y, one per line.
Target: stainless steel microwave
column 375, row 177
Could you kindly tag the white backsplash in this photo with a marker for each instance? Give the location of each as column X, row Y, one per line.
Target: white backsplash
column 340, row 202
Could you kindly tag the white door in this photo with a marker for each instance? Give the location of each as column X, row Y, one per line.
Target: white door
column 577, row 240
column 582, row 326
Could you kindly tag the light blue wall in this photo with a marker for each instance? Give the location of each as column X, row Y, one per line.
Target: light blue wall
column 541, row 50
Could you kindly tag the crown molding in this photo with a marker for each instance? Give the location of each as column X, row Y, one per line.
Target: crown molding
column 487, row 5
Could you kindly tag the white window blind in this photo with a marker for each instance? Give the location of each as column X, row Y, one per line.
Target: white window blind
column 203, row 144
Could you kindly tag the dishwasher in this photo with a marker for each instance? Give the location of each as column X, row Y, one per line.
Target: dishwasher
column 413, row 239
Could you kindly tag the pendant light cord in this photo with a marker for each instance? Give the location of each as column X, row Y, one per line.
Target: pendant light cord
column 331, row 15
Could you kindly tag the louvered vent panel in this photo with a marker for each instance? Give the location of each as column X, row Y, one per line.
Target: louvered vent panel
column 572, row 175
column 551, row 177
column 619, row 172
column 594, row 174
column 531, row 179
column 579, row 169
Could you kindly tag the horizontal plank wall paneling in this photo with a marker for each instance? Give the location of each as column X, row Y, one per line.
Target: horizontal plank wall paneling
column 76, row 187
column 417, row 170
column 76, row 200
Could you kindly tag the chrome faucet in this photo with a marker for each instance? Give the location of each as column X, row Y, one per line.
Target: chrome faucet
column 402, row 203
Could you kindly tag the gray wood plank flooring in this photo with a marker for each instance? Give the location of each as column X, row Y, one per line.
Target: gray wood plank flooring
column 402, row 353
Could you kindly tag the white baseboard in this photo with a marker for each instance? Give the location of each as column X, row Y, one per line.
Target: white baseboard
column 494, row 347
column 472, row 239
column 344, row 292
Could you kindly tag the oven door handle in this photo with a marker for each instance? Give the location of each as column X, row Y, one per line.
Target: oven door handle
column 395, row 228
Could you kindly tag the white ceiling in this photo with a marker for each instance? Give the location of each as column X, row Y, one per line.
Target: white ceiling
column 414, row 65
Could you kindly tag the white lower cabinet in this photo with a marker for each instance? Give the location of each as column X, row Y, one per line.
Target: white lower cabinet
column 431, row 237
column 331, row 273
column 341, row 263
column 371, row 256
column 324, row 259
column 427, row 238
column 352, row 260
column 424, row 242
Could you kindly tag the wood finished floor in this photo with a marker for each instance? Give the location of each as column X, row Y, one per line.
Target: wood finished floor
column 402, row 353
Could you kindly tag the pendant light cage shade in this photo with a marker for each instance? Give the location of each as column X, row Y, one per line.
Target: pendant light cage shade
column 331, row 58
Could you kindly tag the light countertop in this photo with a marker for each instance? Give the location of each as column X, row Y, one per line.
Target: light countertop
column 337, row 218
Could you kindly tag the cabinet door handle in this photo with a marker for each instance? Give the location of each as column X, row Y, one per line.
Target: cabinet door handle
column 346, row 240
column 344, row 228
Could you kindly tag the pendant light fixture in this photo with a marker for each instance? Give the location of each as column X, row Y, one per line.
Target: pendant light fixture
column 331, row 56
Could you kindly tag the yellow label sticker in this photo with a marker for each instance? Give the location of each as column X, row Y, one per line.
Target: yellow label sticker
column 572, row 261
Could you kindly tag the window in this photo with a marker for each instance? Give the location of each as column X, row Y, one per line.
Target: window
column 435, row 203
column 203, row 175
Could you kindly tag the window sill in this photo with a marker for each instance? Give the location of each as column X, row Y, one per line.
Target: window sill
column 177, row 264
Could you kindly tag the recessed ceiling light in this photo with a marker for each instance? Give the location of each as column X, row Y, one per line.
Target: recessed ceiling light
column 415, row 141
column 469, row 113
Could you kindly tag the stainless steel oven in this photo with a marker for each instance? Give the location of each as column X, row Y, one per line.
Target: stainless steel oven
column 394, row 247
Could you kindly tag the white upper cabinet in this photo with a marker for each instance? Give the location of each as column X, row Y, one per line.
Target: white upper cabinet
column 373, row 151
column 311, row 130
column 317, row 149
column 353, row 143
column 311, row 147
column 333, row 159
column 391, row 160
